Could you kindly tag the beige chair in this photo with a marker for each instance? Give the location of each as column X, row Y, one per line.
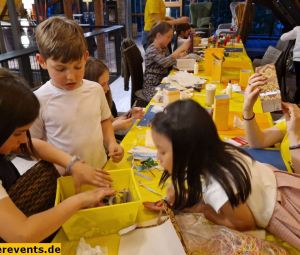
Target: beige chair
column 176, row 4
column 237, row 11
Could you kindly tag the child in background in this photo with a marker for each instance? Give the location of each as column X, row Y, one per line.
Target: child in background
column 74, row 115
column 286, row 132
column 158, row 60
column 183, row 32
column 97, row 71
column 220, row 180
column 295, row 35
column 19, row 107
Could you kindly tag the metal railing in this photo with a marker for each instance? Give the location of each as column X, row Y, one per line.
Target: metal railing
column 103, row 42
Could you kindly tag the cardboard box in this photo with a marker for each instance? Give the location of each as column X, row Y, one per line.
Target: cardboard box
column 221, row 112
column 270, row 95
column 170, row 95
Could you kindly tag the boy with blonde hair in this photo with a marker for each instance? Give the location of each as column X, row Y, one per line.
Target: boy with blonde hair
column 74, row 114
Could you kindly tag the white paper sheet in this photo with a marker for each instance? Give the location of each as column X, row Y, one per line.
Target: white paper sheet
column 148, row 241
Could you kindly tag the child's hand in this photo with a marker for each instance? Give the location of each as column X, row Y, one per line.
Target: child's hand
column 154, row 206
column 252, row 91
column 137, row 112
column 122, row 123
column 116, row 152
column 93, row 198
column 85, row 174
column 185, row 46
column 292, row 117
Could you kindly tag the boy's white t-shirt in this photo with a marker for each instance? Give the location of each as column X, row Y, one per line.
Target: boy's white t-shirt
column 3, row 192
column 262, row 198
column 181, row 41
column 71, row 120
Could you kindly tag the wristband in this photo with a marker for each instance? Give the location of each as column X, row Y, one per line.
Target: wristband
column 294, row 147
column 249, row 118
column 74, row 159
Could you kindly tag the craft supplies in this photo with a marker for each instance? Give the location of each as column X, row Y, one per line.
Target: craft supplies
column 122, row 196
column 149, row 189
column 170, row 95
column 270, row 95
column 196, row 68
column 229, row 88
column 84, row 248
column 143, row 176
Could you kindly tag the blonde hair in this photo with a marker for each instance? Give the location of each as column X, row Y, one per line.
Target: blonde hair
column 94, row 69
column 61, row 39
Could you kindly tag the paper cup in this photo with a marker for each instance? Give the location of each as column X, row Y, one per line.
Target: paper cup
column 210, row 94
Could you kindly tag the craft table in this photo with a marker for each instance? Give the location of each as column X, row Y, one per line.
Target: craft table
column 136, row 135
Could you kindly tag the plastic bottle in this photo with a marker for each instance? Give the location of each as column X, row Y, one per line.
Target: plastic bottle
column 196, row 68
column 229, row 89
column 191, row 49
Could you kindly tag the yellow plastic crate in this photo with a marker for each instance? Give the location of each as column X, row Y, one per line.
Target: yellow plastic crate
column 102, row 220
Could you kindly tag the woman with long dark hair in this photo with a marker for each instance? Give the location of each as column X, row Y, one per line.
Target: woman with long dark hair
column 36, row 220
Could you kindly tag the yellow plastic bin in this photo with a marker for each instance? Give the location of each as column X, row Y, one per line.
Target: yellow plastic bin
column 102, row 220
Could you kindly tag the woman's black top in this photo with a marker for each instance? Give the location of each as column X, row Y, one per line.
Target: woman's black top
column 8, row 172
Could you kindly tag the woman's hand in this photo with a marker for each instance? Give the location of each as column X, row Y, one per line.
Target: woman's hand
column 137, row 112
column 116, row 152
column 85, row 174
column 122, row 123
column 182, row 20
column 251, row 93
column 93, row 198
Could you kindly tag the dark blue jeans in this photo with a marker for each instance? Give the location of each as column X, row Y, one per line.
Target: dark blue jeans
column 145, row 39
column 297, row 71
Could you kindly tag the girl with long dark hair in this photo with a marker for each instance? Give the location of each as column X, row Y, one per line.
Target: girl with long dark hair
column 219, row 179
